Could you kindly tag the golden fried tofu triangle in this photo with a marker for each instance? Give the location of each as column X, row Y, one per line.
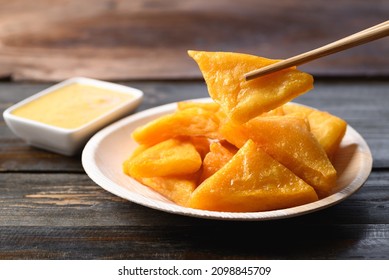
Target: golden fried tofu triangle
column 170, row 167
column 192, row 121
column 328, row 129
column 176, row 188
column 288, row 140
column 209, row 106
column 167, row 158
column 251, row 181
column 224, row 75
column 220, row 153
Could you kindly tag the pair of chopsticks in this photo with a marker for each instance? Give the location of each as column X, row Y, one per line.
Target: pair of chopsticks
column 370, row 34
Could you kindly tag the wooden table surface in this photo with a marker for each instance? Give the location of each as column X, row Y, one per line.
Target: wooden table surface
column 50, row 209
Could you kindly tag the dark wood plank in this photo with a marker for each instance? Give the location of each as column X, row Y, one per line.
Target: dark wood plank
column 275, row 240
column 121, row 40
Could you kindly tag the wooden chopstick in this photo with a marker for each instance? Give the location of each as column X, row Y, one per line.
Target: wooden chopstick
column 370, row 34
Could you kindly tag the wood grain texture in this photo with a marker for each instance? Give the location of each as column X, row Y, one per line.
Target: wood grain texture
column 50, row 209
column 145, row 39
column 217, row 241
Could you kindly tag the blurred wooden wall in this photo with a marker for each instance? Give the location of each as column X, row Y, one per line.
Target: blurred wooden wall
column 50, row 40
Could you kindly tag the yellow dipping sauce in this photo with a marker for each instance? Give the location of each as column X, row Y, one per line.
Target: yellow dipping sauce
column 72, row 106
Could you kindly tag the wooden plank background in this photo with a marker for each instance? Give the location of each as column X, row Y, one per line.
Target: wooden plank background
column 50, row 40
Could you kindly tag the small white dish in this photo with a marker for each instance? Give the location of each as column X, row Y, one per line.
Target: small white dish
column 105, row 152
column 64, row 140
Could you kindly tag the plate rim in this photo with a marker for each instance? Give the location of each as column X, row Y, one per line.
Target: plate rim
column 94, row 173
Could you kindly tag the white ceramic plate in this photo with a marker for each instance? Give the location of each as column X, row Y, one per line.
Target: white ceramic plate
column 105, row 152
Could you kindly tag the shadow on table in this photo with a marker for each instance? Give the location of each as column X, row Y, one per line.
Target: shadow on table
column 316, row 236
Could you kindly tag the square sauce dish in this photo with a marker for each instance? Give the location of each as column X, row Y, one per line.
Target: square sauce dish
column 63, row 117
